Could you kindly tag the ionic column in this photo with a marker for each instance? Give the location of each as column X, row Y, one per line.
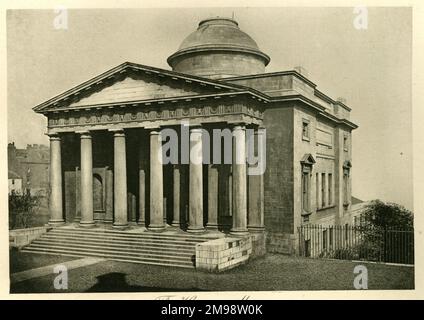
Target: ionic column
column 55, row 203
column 120, row 180
column 195, row 220
column 212, row 197
column 256, row 195
column 156, row 183
column 177, row 204
column 87, row 213
column 239, row 196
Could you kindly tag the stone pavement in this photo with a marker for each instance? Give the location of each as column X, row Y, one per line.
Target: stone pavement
column 43, row 271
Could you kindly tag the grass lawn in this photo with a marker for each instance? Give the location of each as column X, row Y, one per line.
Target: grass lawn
column 272, row 272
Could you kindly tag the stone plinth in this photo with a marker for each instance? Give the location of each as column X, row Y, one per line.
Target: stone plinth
column 22, row 237
column 223, row 254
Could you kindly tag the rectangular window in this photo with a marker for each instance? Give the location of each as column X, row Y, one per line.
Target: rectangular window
column 331, row 237
column 317, row 188
column 305, row 129
column 330, row 189
column 305, row 191
column 323, row 190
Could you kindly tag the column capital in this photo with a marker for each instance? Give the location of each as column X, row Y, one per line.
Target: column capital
column 118, row 132
column 84, row 134
column 196, row 129
column 53, row 136
column 239, row 126
column 154, row 132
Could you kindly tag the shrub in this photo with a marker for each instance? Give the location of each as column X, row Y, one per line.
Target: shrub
column 381, row 215
column 22, row 208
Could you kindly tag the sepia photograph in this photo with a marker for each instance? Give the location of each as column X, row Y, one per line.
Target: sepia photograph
column 210, row 149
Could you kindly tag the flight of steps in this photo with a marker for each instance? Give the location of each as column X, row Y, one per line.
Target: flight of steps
column 176, row 249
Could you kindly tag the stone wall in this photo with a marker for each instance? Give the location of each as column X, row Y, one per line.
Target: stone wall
column 278, row 179
column 278, row 242
column 21, row 237
column 223, row 254
column 219, row 65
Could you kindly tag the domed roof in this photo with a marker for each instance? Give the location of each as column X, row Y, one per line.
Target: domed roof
column 221, row 34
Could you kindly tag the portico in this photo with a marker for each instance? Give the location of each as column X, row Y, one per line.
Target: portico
column 111, row 161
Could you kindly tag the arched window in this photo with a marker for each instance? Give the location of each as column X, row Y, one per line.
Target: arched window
column 97, row 193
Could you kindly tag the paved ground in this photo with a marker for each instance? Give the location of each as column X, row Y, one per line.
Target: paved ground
column 273, row 272
column 20, row 261
column 47, row 270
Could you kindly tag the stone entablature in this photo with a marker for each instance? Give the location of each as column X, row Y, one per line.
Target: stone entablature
column 170, row 113
column 214, row 103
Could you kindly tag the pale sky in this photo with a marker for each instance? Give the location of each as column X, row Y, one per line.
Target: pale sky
column 370, row 68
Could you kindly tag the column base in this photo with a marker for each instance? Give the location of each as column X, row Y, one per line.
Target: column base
column 141, row 223
column 239, row 232
column 55, row 223
column 120, row 226
column 211, row 226
column 196, row 229
column 176, row 224
column 156, row 228
column 256, row 229
column 87, row 224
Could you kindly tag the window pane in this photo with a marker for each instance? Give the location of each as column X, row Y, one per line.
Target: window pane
column 317, row 188
column 305, row 191
column 330, row 189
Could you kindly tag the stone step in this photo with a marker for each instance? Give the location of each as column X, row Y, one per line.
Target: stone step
column 141, row 247
column 136, row 255
column 168, row 262
column 129, row 237
column 129, row 240
column 103, row 232
column 181, row 251
column 123, row 244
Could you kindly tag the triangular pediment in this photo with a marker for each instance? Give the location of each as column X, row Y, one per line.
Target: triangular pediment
column 137, row 88
column 132, row 82
column 307, row 159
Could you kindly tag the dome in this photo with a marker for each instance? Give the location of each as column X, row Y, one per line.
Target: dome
column 217, row 49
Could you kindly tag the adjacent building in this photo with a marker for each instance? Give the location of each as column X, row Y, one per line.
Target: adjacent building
column 31, row 165
column 14, row 182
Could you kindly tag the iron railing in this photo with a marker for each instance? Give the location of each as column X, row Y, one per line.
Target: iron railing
column 357, row 243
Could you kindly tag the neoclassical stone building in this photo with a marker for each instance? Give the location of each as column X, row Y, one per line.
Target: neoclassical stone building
column 105, row 136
